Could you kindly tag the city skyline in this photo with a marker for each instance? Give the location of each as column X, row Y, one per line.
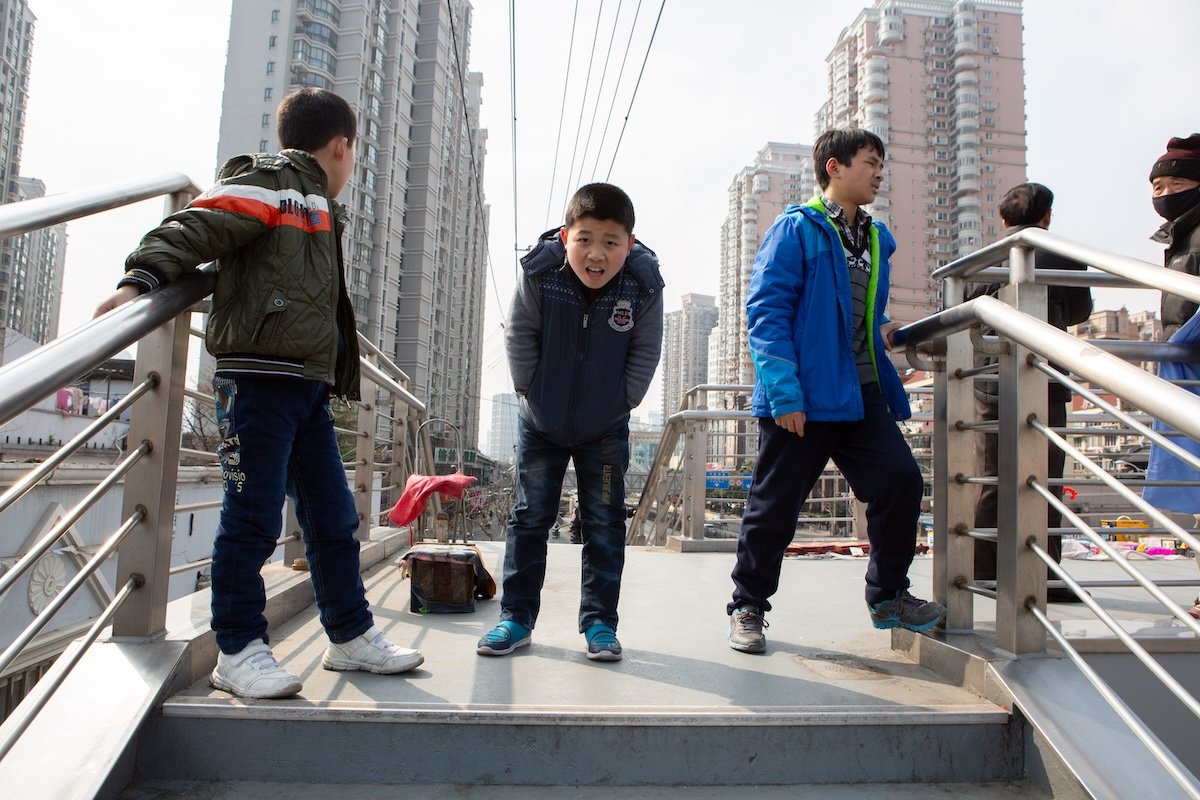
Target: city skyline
column 1099, row 113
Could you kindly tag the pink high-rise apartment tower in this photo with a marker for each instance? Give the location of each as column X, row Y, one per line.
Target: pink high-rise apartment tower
column 942, row 84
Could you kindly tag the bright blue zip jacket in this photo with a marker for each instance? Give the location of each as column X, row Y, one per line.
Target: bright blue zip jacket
column 580, row 367
column 801, row 321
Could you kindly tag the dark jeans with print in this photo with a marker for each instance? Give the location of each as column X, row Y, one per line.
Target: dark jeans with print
column 600, row 474
column 879, row 466
column 277, row 437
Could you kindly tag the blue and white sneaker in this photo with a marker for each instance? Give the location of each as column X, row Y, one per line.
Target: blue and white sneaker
column 906, row 611
column 503, row 639
column 602, row 644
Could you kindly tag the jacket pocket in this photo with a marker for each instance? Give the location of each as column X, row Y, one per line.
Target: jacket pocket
column 277, row 303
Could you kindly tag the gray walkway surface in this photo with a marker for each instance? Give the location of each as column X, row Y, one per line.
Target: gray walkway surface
column 822, row 649
column 825, row 664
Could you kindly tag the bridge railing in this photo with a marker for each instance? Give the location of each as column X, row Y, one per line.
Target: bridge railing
column 384, row 431
column 1028, row 352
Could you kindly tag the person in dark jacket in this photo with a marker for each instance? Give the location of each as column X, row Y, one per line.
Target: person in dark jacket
column 583, row 338
column 283, row 334
column 1029, row 205
column 825, row 389
column 1175, row 186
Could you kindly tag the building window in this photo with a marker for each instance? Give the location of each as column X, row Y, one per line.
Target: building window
column 275, row 15
column 272, row 40
column 267, row 92
column 262, row 145
column 270, row 67
column 266, row 120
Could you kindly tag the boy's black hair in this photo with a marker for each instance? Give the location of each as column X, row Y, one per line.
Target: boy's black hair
column 842, row 144
column 308, row 119
column 1026, row 204
column 601, row 201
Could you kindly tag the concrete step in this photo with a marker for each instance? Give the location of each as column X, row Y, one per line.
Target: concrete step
column 830, row 702
column 258, row 790
column 210, row 739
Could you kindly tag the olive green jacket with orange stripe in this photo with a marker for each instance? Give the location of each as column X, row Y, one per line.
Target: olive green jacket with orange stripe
column 280, row 306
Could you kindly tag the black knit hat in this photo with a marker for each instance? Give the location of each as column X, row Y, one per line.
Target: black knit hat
column 1181, row 160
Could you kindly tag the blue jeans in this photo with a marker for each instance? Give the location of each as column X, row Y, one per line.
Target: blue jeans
column 600, row 473
column 277, row 437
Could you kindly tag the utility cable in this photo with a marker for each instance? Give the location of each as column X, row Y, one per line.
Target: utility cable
column 636, row 86
column 462, row 86
column 616, row 91
column 512, row 92
column 583, row 103
column 599, row 91
column 562, row 108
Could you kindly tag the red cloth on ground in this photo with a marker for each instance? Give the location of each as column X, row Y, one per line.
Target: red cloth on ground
column 417, row 490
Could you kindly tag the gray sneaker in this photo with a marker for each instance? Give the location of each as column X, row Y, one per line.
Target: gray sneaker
column 746, row 625
column 906, row 611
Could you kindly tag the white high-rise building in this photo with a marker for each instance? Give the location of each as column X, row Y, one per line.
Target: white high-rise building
column 941, row 82
column 502, row 435
column 416, row 255
column 34, row 262
column 781, row 174
column 31, row 265
column 685, row 348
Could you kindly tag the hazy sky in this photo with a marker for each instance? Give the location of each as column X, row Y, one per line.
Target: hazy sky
column 135, row 89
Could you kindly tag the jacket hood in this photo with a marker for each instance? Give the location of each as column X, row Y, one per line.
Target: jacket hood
column 550, row 253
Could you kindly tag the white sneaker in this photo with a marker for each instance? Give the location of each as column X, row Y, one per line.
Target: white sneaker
column 253, row 673
column 371, row 652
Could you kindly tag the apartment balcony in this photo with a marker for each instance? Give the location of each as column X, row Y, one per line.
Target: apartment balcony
column 891, row 30
column 965, row 43
column 965, row 61
column 875, row 90
column 966, row 183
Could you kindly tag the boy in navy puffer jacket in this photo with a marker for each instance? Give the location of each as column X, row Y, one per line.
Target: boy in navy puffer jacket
column 583, row 338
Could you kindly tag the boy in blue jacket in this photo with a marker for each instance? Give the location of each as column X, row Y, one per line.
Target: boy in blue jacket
column 825, row 389
column 583, row 339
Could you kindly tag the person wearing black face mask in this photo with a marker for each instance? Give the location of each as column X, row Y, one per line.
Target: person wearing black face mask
column 1175, row 178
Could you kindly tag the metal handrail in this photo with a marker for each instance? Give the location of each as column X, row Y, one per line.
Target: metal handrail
column 35, row 475
column 1172, row 404
column 68, row 358
column 68, row 591
column 70, row 518
column 1136, row 271
column 1131, row 720
column 45, row 212
column 57, row 678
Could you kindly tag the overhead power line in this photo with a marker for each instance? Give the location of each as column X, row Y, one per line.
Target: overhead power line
column 583, row 103
column 636, row 86
column 512, row 82
column 616, row 90
column 562, row 108
column 599, row 91
column 462, row 87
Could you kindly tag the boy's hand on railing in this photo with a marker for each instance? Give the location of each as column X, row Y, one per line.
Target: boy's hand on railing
column 118, row 298
column 886, row 330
